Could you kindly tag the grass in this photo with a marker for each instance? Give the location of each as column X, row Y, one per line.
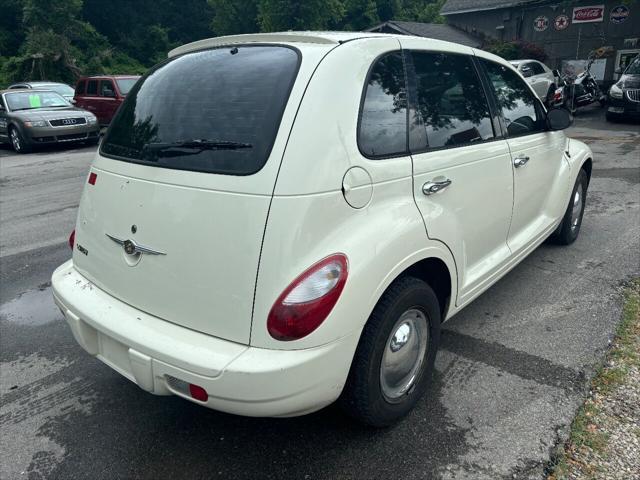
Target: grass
column 624, row 353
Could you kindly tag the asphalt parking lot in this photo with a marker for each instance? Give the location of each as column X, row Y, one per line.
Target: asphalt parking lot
column 511, row 372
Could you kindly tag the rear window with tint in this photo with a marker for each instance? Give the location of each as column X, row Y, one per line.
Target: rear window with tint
column 215, row 111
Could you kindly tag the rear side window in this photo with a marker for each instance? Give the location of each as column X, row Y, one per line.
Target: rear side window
column 215, row 111
column 80, row 88
column 92, row 87
column 382, row 130
column 515, row 100
column 536, row 68
column 451, row 103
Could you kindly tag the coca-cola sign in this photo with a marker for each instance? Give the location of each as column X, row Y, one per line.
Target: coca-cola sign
column 593, row 13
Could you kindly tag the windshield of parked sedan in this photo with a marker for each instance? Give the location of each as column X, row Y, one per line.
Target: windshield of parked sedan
column 215, row 111
column 125, row 84
column 634, row 67
column 33, row 100
column 60, row 88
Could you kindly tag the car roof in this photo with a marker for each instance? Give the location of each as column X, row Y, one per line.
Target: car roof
column 98, row 77
column 517, row 62
column 42, row 82
column 307, row 37
column 25, row 90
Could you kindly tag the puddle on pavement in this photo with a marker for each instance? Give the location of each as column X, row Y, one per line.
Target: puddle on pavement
column 32, row 308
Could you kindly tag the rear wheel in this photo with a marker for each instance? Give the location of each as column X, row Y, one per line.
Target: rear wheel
column 18, row 142
column 394, row 359
column 569, row 229
column 550, row 95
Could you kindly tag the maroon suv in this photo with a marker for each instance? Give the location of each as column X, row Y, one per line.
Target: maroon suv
column 102, row 95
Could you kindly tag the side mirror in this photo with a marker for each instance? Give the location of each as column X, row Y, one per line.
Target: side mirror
column 72, row 101
column 559, row 119
column 618, row 71
column 526, row 72
column 555, row 72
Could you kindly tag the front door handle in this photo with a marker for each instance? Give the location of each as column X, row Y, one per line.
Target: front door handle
column 435, row 186
column 520, row 161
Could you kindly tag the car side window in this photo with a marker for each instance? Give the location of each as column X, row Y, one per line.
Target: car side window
column 536, row 68
column 382, row 129
column 92, row 87
column 107, row 89
column 80, row 87
column 515, row 100
column 452, row 107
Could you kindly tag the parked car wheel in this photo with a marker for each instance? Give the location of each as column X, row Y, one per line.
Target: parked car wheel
column 569, row 229
column 612, row 117
column 394, row 359
column 549, row 98
column 19, row 144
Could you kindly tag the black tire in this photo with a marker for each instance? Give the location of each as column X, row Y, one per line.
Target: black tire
column 363, row 397
column 18, row 142
column 569, row 228
column 549, row 98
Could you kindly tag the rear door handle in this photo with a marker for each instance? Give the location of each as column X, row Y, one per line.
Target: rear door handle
column 435, row 186
column 520, row 161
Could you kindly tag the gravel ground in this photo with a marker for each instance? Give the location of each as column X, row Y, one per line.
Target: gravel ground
column 605, row 437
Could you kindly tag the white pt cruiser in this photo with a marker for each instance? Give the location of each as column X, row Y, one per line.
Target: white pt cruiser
column 274, row 222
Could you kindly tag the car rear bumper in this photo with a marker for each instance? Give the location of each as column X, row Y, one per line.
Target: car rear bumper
column 49, row 135
column 239, row 379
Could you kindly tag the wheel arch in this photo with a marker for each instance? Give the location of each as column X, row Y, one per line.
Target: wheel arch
column 434, row 266
column 587, row 166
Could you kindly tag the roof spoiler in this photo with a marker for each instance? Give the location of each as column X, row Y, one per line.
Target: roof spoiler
column 282, row 37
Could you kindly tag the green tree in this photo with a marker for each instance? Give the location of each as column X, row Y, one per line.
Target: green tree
column 234, row 16
column 360, row 15
column 279, row 15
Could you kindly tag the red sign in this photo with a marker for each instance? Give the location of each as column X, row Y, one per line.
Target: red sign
column 593, row 13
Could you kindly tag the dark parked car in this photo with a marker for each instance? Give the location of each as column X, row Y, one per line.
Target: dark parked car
column 102, row 95
column 624, row 96
column 38, row 117
column 62, row 88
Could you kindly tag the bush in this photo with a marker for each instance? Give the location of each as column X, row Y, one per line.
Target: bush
column 516, row 50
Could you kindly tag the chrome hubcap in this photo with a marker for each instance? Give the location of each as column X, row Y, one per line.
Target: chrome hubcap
column 404, row 355
column 15, row 140
column 576, row 211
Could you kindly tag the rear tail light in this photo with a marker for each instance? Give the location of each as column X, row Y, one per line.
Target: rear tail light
column 308, row 301
column 93, row 176
column 72, row 239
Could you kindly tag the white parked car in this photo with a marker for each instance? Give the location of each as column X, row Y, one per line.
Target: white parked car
column 541, row 78
column 294, row 227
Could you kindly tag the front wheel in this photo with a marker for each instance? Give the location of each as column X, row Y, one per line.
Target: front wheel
column 394, row 359
column 569, row 228
column 18, row 142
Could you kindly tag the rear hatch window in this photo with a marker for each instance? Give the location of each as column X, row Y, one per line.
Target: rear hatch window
column 213, row 111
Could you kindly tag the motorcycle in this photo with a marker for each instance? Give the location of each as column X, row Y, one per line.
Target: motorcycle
column 583, row 90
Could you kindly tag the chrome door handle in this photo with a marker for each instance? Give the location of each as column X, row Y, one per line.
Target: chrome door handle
column 434, row 186
column 520, row 161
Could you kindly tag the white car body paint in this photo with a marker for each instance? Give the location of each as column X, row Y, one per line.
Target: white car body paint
column 234, row 243
column 541, row 78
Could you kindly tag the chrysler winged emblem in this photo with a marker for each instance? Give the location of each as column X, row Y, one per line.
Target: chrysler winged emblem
column 132, row 248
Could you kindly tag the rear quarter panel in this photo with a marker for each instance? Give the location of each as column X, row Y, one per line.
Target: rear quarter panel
column 309, row 218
